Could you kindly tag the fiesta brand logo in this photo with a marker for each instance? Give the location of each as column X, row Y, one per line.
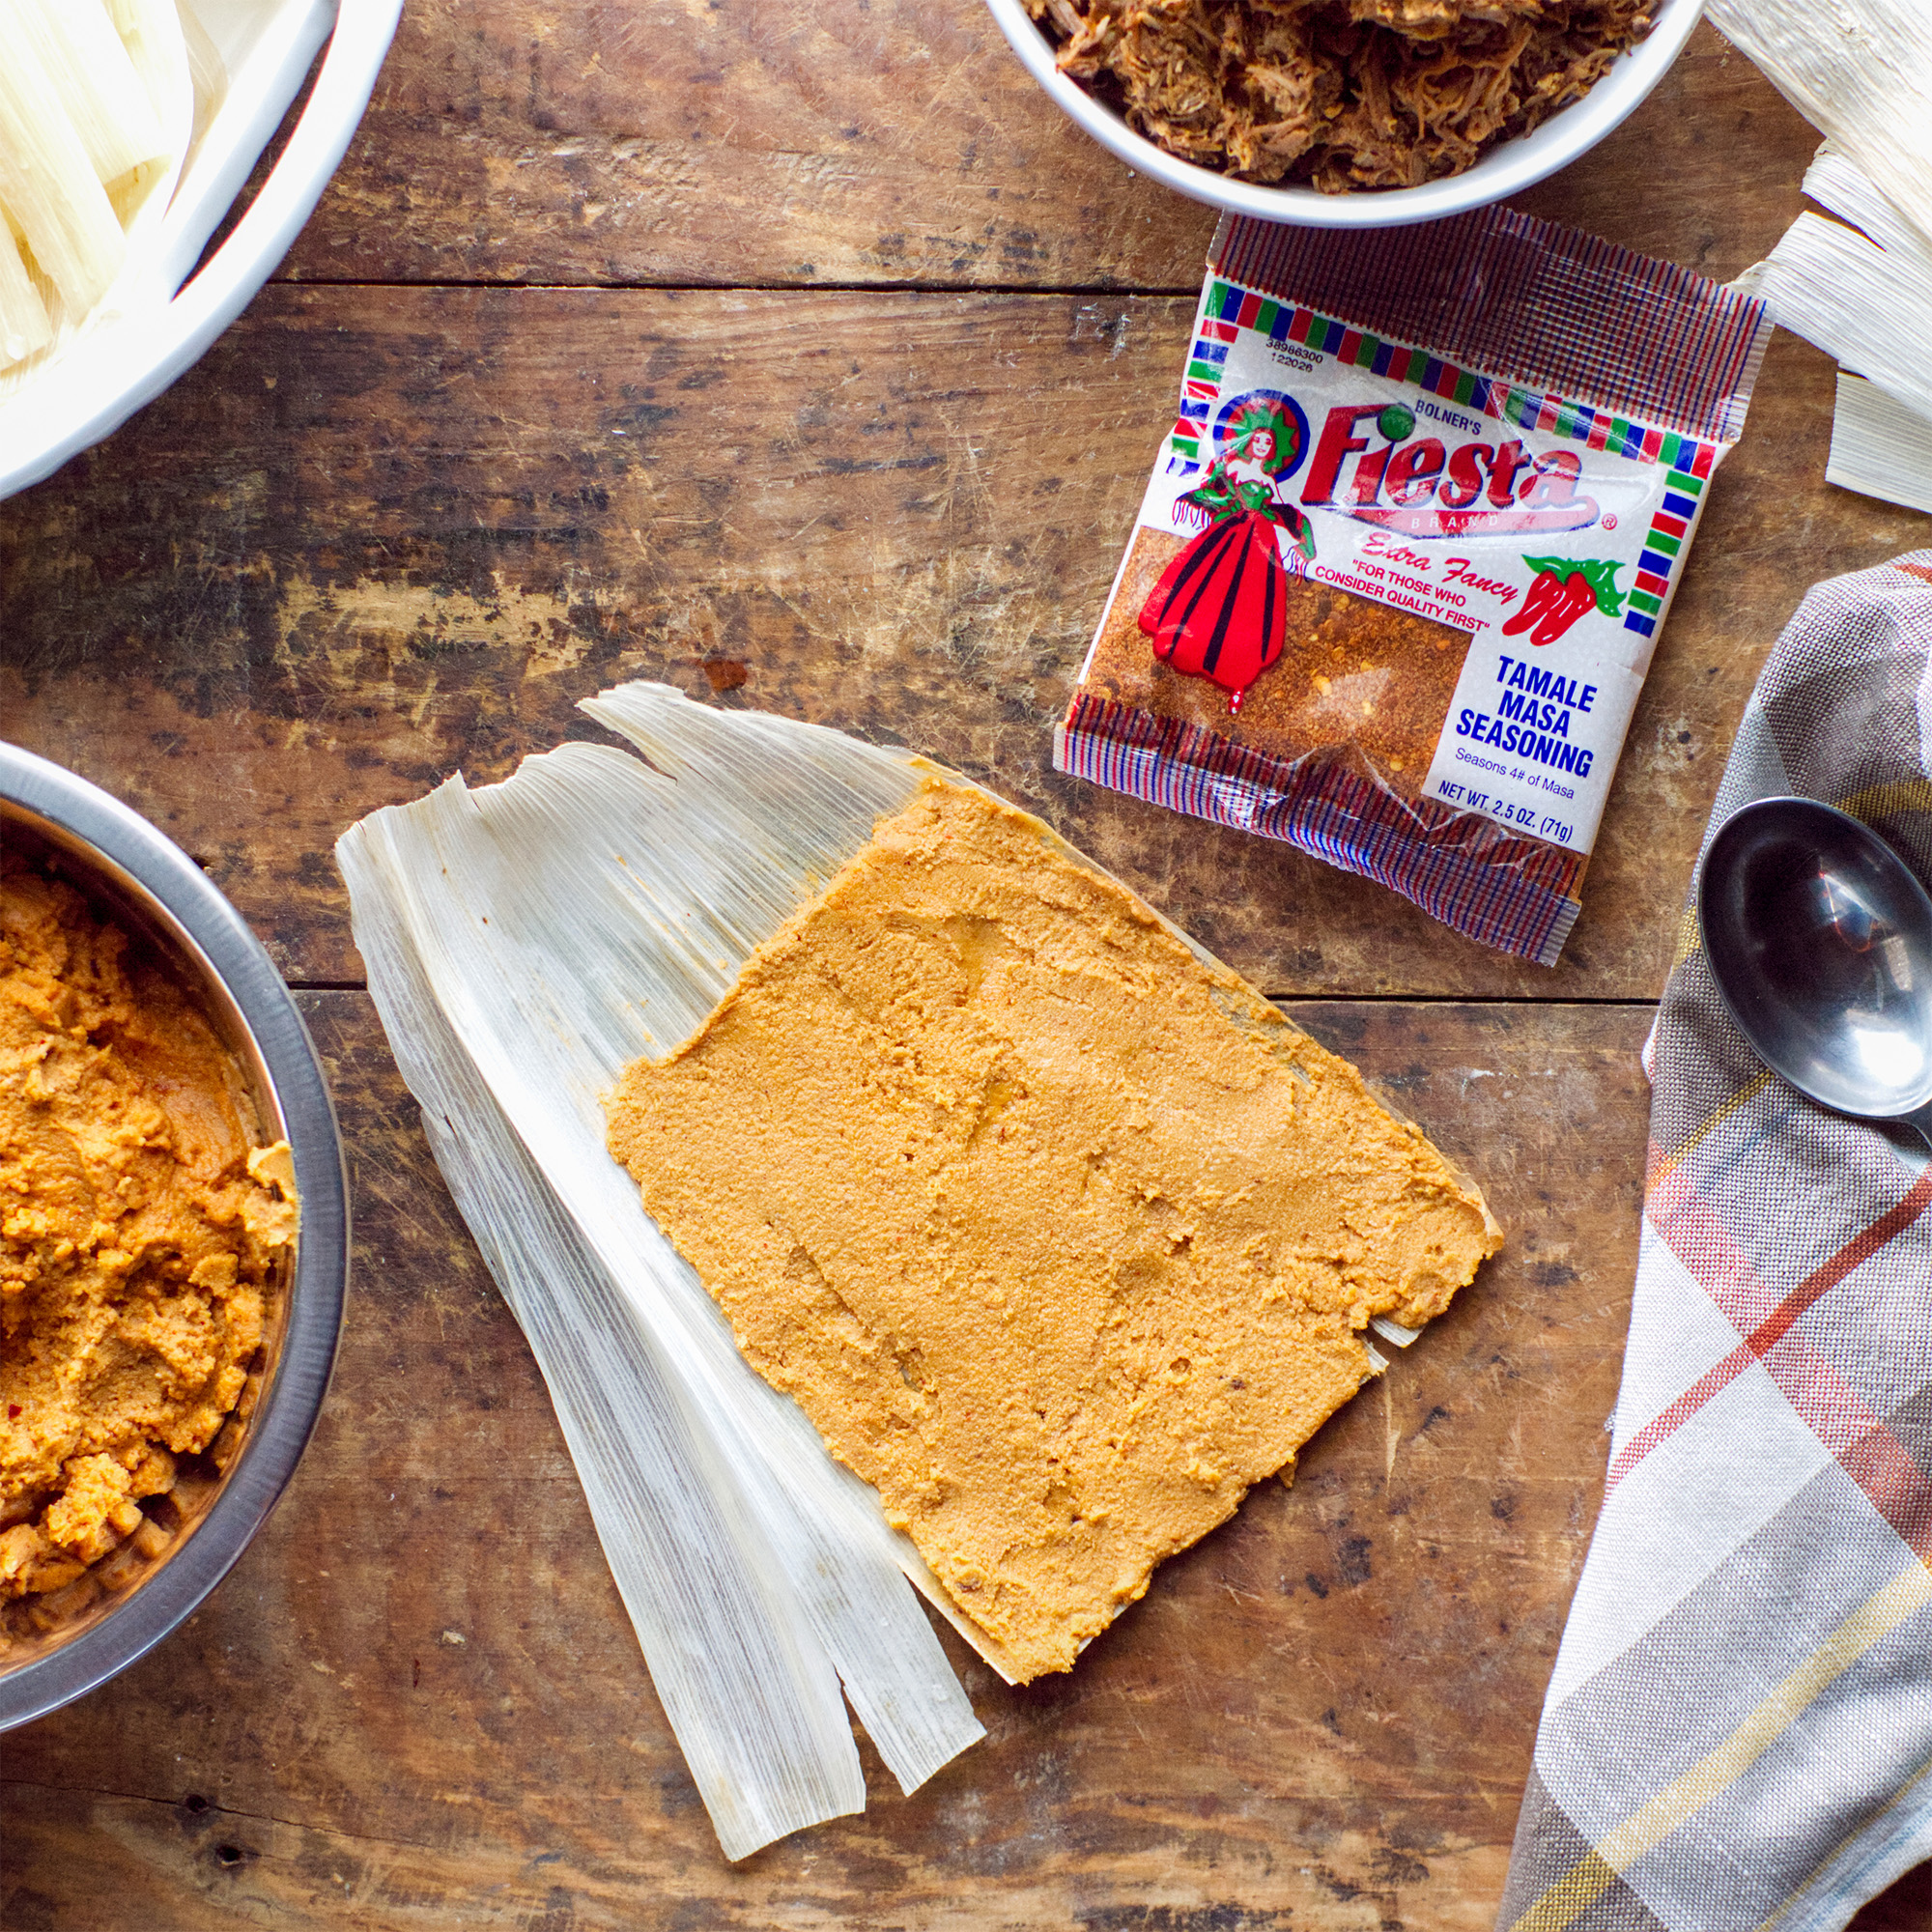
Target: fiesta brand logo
column 1274, row 410
column 1419, row 486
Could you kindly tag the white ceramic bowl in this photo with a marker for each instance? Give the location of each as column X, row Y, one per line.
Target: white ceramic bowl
column 1505, row 170
column 128, row 358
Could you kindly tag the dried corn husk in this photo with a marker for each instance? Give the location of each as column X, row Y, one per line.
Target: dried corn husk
column 207, row 73
column 98, row 115
column 47, row 183
column 1833, row 181
column 1863, row 294
column 154, row 35
column 1856, row 69
column 1879, row 448
column 1869, row 307
column 524, row 943
column 24, row 324
column 92, row 79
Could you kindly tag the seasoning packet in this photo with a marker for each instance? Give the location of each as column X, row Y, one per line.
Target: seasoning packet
column 1401, row 566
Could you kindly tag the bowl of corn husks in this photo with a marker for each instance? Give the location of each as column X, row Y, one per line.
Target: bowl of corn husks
column 127, row 129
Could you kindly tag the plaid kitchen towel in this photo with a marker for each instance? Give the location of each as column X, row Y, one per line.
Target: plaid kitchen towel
column 1739, row 1725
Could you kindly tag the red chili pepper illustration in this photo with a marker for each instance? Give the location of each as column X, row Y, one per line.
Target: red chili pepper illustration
column 1560, row 594
column 1551, row 606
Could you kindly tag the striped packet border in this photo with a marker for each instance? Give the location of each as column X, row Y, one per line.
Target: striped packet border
column 1517, row 894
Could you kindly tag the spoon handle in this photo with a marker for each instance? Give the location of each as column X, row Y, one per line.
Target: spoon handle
column 1921, row 1123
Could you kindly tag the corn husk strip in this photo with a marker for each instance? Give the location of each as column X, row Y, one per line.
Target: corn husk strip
column 1856, row 69
column 93, row 78
column 151, row 34
column 758, row 1722
column 1835, row 182
column 1878, row 447
column 208, row 73
column 526, row 942
column 48, row 186
column 1869, row 308
column 1863, row 293
column 24, row 323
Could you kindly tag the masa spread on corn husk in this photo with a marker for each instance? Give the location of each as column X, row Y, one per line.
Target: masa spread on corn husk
column 1062, row 1237
column 139, row 1232
column 1341, row 93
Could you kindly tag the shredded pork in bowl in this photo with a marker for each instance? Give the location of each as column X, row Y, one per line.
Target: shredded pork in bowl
column 1347, row 112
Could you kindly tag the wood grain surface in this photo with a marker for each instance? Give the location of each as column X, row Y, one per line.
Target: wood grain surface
column 867, row 142
column 808, row 358
column 430, row 520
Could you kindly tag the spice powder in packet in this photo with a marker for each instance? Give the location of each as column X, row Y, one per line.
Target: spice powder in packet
column 1400, row 569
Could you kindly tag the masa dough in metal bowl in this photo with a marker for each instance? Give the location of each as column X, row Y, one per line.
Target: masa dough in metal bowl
column 140, row 1229
column 1062, row 1237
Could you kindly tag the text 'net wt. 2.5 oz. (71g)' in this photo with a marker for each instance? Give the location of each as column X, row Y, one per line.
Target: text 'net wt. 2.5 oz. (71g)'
column 1404, row 557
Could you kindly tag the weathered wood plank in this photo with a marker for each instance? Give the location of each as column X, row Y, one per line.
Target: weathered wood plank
column 877, row 141
column 381, row 534
column 417, row 1701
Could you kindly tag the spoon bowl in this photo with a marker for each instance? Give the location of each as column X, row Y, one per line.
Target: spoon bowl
column 1820, row 941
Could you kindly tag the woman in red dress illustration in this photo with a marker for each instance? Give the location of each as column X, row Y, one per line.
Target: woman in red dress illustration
column 1220, row 609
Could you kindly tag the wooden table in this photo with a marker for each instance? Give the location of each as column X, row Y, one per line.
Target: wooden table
column 805, row 358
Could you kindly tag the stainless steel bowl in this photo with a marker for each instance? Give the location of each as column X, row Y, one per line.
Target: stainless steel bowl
column 153, row 888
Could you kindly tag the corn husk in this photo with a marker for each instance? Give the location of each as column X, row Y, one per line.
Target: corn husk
column 1861, row 289
column 92, row 79
column 24, row 323
column 92, row 248
column 208, row 75
column 524, row 943
column 1879, row 448
column 1869, row 308
column 47, row 184
column 1836, row 182
column 1856, row 69
column 1393, row 1332
column 151, row 33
